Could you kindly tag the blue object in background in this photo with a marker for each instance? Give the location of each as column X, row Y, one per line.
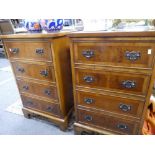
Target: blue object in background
column 52, row 25
column 33, row 26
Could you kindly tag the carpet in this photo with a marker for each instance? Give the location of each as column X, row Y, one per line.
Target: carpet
column 16, row 108
column 6, row 69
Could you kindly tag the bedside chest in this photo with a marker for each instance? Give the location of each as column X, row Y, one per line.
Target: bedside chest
column 113, row 76
column 41, row 65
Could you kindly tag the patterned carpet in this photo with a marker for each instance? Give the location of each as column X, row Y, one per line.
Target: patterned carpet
column 15, row 108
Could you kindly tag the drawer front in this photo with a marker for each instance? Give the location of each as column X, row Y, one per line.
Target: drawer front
column 118, row 54
column 107, row 122
column 29, row 50
column 125, row 82
column 39, row 105
column 109, row 103
column 43, row 90
column 40, row 72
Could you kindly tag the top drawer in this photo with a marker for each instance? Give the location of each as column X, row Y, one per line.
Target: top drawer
column 29, row 50
column 139, row 55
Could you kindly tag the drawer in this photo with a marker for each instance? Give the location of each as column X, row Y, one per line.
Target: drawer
column 36, row 71
column 43, row 90
column 119, row 105
column 110, row 80
column 39, row 105
column 107, row 122
column 139, row 55
column 29, row 50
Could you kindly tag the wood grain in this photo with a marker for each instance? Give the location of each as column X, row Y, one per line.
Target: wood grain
column 28, row 50
column 109, row 103
column 34, row 71
column 107, row 122
column 39, row 105
column 44, row 90
column 34, row 35
column 113, row 81
column 114, row 54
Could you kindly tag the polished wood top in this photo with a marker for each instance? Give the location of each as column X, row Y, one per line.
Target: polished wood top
column 112, row 34
column 88, row 34
column 34, row 35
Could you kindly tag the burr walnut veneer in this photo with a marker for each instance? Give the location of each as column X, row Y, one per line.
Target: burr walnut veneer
column 41, row 65
column 113, row 74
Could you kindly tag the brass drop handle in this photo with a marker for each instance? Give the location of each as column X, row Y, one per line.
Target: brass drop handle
column 122, row 126
column 88, row 79
column 88, row 53
column 44, row 73
column 88, row 100
column 47, row 92
column 133, row 55
column 49, row 109
column 29, row 102
column 88, row 118
column 25, row 87
column 21, row 70
column 128, row 84
column 125, row 107
column 14, row 50
column 39, row 50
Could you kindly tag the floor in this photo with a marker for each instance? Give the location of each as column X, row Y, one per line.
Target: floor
column 13, row 124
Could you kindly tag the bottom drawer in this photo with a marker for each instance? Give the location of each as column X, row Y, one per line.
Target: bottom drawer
column 107, row 122
column 39, row 105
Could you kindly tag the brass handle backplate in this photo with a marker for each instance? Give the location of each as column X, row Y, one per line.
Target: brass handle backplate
column 88, row 79
column 14, row 50
column 88, row 118
column 88, row 100
column 88, row 53
column 39, row 50
column 133, row 55
column 44, row 73
column 122, row 126
column 47, row 92
column 128, row 84
column 125, row 107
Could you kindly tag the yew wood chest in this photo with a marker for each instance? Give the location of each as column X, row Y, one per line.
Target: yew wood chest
column 41, row 65
column 113, row 76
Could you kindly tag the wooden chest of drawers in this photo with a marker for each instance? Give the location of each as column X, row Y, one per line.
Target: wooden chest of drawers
column 113, row 76
column 41, row 65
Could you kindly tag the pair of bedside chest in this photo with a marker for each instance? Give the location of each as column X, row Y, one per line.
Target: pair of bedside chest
column 112, row 75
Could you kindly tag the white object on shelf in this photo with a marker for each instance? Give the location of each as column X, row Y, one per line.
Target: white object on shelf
column 97, row 24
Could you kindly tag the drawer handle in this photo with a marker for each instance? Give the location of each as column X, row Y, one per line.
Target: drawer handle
column 88, row 53
column 88, row 118
column 129, row 84
column 49, row 109
column 88, row 79
column 21, row 70
column 122, row 126
column 26, row 87
column 44, row 73
column 47, row 92
column 133, row 55
column 14, row 50
column 29, row 102
column 88, row 100
column 125, row 107
column 39, row 50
